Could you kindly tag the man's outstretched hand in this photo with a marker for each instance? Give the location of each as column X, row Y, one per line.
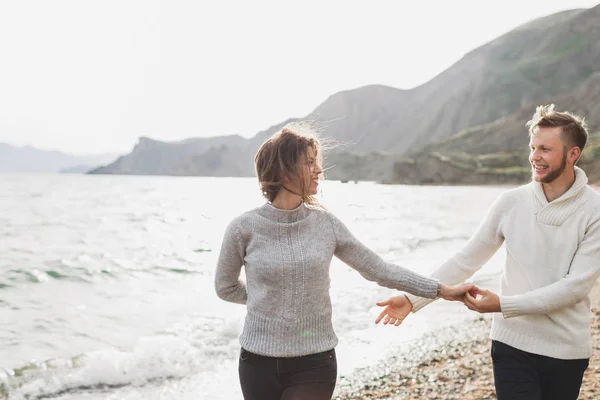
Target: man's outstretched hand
column 396, row 309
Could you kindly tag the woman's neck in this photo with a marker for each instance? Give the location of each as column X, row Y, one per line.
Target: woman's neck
column 286, row 200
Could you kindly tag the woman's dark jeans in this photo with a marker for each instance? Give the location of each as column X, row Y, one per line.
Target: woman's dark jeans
column 271, row 378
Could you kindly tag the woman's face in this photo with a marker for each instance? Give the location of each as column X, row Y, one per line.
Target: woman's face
column 310, row 170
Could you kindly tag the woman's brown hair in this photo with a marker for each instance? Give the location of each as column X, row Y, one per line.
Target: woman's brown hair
column 280, row 156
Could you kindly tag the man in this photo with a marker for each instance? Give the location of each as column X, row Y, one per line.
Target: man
column 541, row 341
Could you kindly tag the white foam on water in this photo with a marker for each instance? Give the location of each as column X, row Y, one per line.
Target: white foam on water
column 198, row 346
column 152, row 358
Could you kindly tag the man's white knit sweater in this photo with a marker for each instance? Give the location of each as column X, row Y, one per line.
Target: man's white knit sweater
column 552, row 263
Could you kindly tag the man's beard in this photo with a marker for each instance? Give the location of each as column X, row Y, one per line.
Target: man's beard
column 555, row 173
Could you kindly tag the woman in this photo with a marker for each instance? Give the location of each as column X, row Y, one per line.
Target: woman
column 286, row 247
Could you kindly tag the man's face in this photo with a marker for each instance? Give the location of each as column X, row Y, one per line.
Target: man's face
column 548, row 156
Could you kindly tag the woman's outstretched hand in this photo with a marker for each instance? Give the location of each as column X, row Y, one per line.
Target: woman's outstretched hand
column 396, row 309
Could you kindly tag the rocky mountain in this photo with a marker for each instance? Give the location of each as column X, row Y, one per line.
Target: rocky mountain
column 498, row 152
column 217, row 156
column 474, row 107
column 30, row 159
column 540, row 59
column 153, row 157
column 509, row 133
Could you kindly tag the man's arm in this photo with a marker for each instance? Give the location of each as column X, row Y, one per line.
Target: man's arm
column 479, row 249
column 456, row 270
column 584, row 271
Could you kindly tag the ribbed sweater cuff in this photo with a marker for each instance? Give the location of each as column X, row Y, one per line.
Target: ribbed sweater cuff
column 427, row 286
column 509, row 307
column 418, row 302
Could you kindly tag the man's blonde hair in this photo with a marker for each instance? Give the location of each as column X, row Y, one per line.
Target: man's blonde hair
column 573, row 127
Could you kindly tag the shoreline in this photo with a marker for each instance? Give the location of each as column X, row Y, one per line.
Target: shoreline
column 453, row 364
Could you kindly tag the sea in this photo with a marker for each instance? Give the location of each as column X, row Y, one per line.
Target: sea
column 106, row 282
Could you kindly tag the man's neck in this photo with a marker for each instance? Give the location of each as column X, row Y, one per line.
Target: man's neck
column 560, row 185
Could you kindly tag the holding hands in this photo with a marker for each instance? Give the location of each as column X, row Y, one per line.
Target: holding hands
column 397, row 308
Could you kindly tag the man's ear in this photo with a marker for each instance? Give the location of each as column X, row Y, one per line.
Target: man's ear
column 574, row 154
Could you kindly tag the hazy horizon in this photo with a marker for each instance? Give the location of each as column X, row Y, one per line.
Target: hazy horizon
column 85, row 78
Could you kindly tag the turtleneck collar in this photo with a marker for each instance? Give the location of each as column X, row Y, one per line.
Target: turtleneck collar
column 275, row 214
column 558, row 210
column 580, row 181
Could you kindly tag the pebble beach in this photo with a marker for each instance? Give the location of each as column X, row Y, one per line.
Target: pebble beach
column 453, row 364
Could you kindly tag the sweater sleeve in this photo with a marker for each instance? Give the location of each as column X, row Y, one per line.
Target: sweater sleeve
column 373, row 268
column 573, row 288
column 484, row 243
column 228, row 284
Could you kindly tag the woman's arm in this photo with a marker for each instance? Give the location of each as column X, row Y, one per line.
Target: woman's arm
column 228, row 284
column 372, row 267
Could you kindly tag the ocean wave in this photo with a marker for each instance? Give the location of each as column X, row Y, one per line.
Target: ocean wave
column 161, row 269
column 20, row 276
column 425, row 242
column 155, row 358
column 408, row 245
column 180, row 351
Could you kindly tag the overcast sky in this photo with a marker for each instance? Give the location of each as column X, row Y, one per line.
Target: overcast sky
column 89, row 77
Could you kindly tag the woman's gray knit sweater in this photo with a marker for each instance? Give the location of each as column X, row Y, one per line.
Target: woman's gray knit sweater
column 286, row 255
